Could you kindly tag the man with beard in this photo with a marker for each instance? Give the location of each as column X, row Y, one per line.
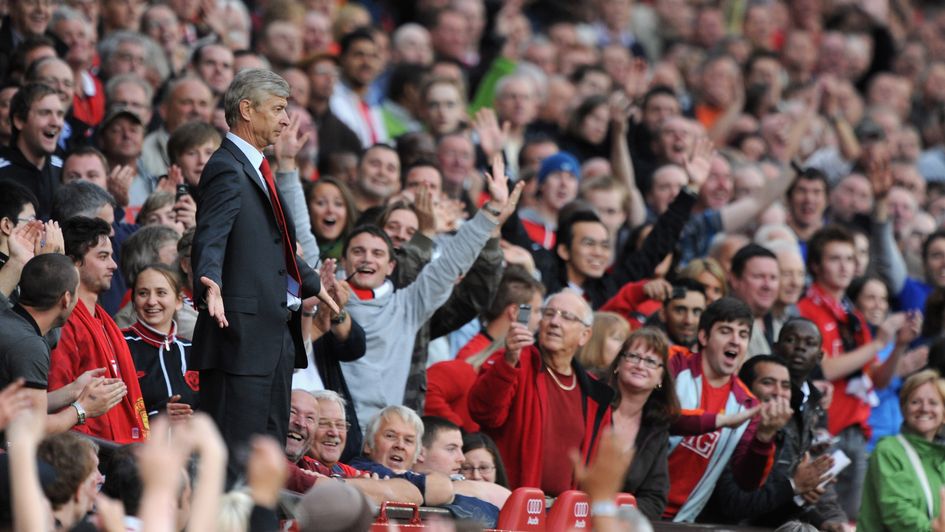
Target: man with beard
column 313, row 446
column 360, row 64
column 37, row 116
column 91, row 339
column 680, row 313
column 797, row 487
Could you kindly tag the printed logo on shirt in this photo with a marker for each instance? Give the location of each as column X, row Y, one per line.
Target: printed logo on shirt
column 192, row 378
column 703, row 444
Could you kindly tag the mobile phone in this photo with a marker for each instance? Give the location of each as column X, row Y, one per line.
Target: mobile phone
column 524, row 313
column 182, row 190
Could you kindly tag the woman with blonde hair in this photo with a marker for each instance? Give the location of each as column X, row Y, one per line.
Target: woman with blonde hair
column 709, row 273
column 907, row 471
column 607, row 336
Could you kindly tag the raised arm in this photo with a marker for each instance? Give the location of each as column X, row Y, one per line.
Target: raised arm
column 738, row 214
column 433, row 286
column 288, row 181
column 620, row 159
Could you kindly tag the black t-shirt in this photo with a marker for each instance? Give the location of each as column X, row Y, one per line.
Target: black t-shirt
column 24, row 352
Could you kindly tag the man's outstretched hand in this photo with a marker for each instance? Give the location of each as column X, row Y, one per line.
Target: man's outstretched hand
column 214, row 300
column 325, row 298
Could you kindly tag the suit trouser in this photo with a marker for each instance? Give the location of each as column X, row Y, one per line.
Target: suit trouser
column 246, row 405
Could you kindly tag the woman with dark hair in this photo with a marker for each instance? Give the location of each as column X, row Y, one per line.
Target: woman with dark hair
column 483, row 461
column 332, row 213
column 159, row 355
column 586, row 133
column 645, row 406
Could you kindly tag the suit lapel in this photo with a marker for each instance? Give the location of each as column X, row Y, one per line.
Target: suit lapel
column 251, row 172
column 253, row 175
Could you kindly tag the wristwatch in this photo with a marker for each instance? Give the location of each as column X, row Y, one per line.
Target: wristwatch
column 80, row 411
column 491, row 210
column 340, row 318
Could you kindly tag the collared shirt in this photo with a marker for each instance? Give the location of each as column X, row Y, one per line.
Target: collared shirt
column 255, row 159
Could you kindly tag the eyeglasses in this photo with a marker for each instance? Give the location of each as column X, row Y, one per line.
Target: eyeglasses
column 482, row 470
column 28, row 219
column 549, row 313
column 340, row 426
column 634, row 359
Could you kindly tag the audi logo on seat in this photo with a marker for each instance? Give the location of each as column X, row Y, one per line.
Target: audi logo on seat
column 581, row 509
column 534, row 506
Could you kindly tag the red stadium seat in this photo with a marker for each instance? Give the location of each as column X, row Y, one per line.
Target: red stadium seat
column 524, row 510
column 572, row 509
column 625, row 499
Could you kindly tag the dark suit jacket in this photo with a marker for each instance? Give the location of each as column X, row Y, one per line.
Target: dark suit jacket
column 239, row 246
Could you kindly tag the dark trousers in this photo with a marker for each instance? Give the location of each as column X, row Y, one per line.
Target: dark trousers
column 246, row 405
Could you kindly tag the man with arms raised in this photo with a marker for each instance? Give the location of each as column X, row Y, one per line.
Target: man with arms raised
column 390, row 317
column 713, row 429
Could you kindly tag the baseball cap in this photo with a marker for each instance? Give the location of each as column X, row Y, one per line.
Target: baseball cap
column 559, row 162
column 117, row 112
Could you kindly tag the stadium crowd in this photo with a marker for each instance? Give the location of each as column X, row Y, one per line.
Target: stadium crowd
column 690, row 250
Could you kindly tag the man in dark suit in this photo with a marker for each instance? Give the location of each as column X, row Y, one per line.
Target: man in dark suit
column 248, row 336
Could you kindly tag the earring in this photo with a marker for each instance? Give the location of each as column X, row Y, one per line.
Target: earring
column 616, row 371
column 659, row 386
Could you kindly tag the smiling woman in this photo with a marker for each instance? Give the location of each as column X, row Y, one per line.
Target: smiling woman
column 905, row 472
column 332, row 214
column 159, row 355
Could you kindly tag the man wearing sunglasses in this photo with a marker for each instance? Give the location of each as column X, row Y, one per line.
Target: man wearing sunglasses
column 537, row 402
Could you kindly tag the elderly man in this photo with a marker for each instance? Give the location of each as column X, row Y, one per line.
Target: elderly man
column 186, row 99
column 248, row 335
column 515, row 391
column 316, row 437
column 393, row 447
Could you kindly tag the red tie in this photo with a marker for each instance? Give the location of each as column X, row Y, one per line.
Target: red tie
column 291, row 266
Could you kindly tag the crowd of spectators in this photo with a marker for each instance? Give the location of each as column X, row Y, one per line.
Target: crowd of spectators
column 717, row 283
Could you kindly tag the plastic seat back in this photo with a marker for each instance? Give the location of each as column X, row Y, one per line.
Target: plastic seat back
column 524, row 510
column 571, row 510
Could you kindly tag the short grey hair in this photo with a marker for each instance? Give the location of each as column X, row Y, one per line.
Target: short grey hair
column 143, row 248
column 80, row 198
column 331, row 395
column 253, row 84
column 177, row 82
column 65, row 14
column 109, row 45
column 121, row 79
column 405, row 414
column 587, row 318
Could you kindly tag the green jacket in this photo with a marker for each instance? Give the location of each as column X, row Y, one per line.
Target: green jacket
column 893, row 498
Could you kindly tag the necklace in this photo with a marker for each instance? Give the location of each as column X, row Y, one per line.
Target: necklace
column 555, row 378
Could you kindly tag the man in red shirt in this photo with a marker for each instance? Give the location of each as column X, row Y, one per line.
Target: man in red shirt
column 713, row 429
column 850, row 351
column 537, row 402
